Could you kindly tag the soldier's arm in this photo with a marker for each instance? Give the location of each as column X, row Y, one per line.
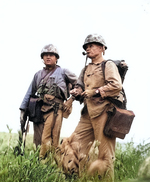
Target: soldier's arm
column 113, row 81
column 79, row 87
column 31, row 91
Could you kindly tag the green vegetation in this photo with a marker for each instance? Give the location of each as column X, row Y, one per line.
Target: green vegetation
column 28, row 168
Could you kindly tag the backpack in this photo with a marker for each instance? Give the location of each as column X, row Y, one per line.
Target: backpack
column 122, row 71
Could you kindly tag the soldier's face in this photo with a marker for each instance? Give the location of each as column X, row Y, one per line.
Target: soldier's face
column 93, row 50
column 49, row 59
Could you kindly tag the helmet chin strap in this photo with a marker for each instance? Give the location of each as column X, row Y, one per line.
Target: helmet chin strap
column 103, row 50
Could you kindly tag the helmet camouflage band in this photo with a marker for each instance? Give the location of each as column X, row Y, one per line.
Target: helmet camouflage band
column 51, row 49
column 94, row 38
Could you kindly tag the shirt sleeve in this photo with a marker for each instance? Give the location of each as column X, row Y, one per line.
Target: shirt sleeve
column 80, row 80
column 70, row 77
column 113, row 83
column 31, row 91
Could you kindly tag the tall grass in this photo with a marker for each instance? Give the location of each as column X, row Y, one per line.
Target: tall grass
column 129, row 159
column 28, row 168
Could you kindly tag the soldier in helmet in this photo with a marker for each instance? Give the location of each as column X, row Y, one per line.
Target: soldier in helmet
column 52, row 85
column 92, row 89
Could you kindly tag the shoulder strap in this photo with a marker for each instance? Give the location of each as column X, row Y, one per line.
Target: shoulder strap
column 103, row 68
column 121, row 68
column 123, row 105
column 45, row 78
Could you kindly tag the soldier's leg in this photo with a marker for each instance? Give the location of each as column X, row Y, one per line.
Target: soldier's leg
column 74, row 150
column 47, row 134
column 57, row 128
column 38, row 130
column 104, row 163
column 84, row 134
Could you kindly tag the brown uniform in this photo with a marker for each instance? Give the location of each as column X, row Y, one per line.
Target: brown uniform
column 92, row 122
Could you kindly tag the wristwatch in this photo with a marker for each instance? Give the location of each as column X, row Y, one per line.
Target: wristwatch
column 97, row 91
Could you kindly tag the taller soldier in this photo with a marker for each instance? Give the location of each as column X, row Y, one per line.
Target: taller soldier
column 51, row 84
column 93, row 89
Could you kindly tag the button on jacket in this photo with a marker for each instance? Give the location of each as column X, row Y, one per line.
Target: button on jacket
column 92, row 78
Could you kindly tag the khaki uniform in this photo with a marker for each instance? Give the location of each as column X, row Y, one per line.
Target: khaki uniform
column 92, row 122
column 38, row 130
column 51, row 132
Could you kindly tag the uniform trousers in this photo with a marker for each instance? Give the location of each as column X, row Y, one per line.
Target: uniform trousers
column 87, row 131
column 51, row 132
column 38, row 130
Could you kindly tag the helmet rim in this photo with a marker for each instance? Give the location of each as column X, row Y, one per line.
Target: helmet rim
column 50, row 48
column 94, row 38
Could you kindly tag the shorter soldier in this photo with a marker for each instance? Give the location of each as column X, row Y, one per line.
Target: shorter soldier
column 52, row 85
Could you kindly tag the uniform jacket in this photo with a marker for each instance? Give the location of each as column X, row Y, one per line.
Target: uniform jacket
column 61, row 77
column 92, row 78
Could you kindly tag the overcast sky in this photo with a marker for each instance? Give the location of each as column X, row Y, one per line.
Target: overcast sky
column 28, row 25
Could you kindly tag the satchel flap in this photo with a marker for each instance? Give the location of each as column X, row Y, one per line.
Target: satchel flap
column 122, row 120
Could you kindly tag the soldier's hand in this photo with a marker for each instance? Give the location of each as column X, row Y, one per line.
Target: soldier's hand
column 22, row 119
column 76, row 91
column 68, row 104
column 88, row 93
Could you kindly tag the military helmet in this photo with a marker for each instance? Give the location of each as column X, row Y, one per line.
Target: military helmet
column 51, row 49
column 94, row 38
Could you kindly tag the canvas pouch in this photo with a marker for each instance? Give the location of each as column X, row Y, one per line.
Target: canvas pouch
column 34, row 110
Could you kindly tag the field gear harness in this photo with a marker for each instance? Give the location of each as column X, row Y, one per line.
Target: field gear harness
column 42, row 88
column 50, row 94
column 54, row 84
column 62, row 77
